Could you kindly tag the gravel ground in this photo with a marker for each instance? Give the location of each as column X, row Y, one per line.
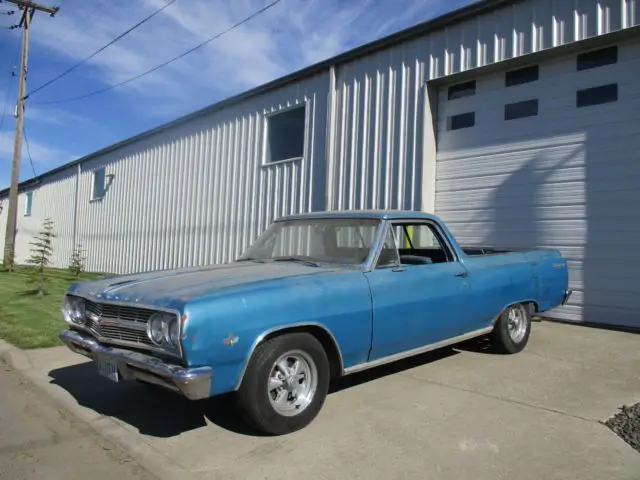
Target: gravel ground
column 626, row 424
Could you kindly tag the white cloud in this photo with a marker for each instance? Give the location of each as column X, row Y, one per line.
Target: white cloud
column 291, row 35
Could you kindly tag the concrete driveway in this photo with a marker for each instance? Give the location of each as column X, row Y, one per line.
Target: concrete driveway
column 457, row 413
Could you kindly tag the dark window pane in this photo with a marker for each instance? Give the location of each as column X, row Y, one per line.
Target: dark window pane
column 597, row 95
column 462, row 90
column 597, row 58
column 285, row 135
column 522, row 75
column 528, row 108
column 464, row 120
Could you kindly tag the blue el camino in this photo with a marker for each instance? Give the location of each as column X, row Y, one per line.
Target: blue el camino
column 317, row 296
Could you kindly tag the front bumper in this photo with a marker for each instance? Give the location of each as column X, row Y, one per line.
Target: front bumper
column 193, row 383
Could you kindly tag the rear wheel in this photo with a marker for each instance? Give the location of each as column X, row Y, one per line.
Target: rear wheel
column 285, row 385
column 512, row 329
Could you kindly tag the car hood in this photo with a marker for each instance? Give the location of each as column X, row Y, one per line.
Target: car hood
column 173, row 288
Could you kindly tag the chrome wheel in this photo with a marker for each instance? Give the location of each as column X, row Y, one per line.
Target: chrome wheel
column 517, row 323
column 293, row 381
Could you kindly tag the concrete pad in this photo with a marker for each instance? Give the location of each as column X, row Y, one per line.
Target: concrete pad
column 449, row 414
column 585, row 375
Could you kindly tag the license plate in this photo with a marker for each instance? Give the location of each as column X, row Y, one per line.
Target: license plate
column 107, row 368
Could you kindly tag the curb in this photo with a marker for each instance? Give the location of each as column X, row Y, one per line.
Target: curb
column 14, row 356
column 107, row 427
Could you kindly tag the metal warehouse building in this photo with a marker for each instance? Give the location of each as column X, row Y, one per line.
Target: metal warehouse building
column 518, row 122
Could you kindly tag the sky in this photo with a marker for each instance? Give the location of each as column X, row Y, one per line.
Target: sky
column 290, row 36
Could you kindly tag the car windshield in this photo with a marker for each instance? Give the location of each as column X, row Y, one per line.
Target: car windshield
column 346, row 241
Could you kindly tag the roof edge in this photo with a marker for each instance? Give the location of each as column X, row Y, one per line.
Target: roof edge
column 402, row 36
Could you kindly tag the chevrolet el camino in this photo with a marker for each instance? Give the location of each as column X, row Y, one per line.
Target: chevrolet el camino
column 317, row 296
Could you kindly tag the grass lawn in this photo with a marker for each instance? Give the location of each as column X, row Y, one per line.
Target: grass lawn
column 27, row 320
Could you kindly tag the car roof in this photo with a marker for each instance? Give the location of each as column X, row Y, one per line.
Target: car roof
column 369, row 214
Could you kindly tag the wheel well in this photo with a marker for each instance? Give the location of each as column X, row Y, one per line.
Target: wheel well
column 325, row 339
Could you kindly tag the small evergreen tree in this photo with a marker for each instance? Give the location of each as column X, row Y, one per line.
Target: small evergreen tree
column 41, row 251
column 76, row 264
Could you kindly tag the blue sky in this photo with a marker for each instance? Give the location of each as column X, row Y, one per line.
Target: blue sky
column 290, row 36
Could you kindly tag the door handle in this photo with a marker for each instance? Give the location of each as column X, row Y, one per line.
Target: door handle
column 462, row 274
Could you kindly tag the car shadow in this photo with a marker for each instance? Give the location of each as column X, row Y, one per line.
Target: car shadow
column 156, row 412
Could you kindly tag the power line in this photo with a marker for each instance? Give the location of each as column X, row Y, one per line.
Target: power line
column 158, row 67
column 141, row 22
column 26, row 141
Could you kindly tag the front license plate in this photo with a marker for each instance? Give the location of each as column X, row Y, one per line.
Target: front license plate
column 107, row 368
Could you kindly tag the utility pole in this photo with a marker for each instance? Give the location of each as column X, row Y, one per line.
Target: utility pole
column 29, row 9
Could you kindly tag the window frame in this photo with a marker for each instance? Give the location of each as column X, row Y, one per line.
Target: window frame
column 28, row 206
column 266, row 162
column 451, row 253
column 94, row 173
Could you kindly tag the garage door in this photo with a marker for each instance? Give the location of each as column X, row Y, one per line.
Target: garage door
column 549, row 156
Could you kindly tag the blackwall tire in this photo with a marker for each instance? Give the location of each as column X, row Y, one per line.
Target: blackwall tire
column 512, row 330
column 285, row 384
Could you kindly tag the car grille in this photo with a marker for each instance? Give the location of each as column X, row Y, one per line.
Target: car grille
column 118, row 323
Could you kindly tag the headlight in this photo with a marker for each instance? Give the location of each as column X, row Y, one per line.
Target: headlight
column 73, row 310
column 163, row 329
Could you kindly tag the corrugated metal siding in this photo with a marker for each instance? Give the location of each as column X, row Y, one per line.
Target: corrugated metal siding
column 567, row 178
column 381, row 155
column 54, row 199
column 197, row 193
column 200, row 194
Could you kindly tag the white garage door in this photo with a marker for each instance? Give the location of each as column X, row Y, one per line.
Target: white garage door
column 549, row 156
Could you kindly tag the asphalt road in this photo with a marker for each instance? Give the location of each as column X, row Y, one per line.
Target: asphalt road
column 39, row 440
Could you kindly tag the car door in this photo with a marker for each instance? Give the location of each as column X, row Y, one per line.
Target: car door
column 416, row 303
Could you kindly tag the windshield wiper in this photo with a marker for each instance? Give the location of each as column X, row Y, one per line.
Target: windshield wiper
column 296, row 259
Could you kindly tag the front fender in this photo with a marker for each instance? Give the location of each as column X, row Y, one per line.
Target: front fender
column 223, row 330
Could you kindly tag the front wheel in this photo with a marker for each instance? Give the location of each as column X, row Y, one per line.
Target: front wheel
column 512, row 329
column 286, row 384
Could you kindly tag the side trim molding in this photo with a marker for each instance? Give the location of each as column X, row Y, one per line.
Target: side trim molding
column 416, row 351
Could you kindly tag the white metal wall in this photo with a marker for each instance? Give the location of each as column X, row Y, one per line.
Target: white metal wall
column 566, row 178
column 197, row 193
column 381, row 138
column 53, row 199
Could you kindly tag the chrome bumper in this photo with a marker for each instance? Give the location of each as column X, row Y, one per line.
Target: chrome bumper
column 567, row 294
column 193, row 383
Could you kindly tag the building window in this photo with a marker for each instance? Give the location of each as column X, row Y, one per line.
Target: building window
column 285, row 135
column 597, row 95
column 597, row 58
column 527, row 108
column 522, row 75
column 463, row 120
column 98, row 184
column 462, row 90
column 28, row 204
